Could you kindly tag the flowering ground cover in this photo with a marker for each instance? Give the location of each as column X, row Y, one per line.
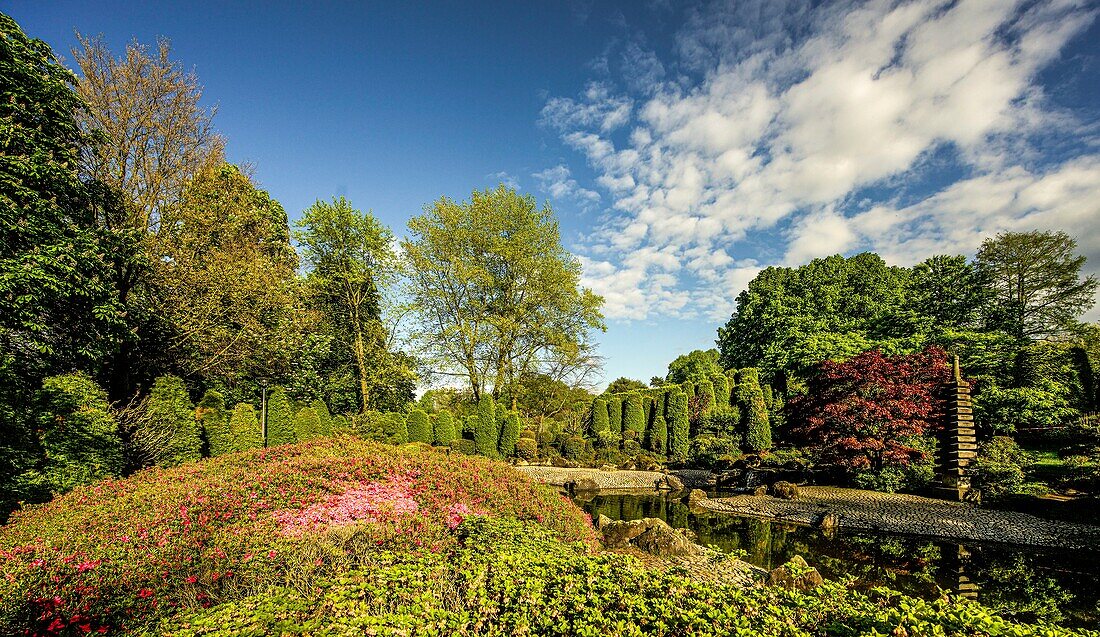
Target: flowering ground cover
column 121, row 555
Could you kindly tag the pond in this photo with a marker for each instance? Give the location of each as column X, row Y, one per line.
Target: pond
column 1027, row 583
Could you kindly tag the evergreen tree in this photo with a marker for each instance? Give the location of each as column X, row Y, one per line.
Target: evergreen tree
column 721, row 391
column 680, row 426
column 600, row 421
column 214, row 422
column 657, row 436
column 705, row 390
column 394, row 428
column 323, row 416
column 615, row 415
column 169, row 410
column 444, row 429
column 280, row 419
column 509, row 434
column 420, row 428
column 307, row 424
column 486, row 432
column 244, row 428
column 754, row 411
column 634, row 415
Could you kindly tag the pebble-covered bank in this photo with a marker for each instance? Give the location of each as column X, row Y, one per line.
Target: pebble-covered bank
column 618, row 480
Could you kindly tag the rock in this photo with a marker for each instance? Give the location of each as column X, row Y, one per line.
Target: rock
column 585, row 484
column 602, row 521
column 670, row 482
column 828, row 523
column 696, row 497
column 650, row 535
column 795, row 575
column 609, row 467
column 760, row 491
column 785, row 490
column 558, row 461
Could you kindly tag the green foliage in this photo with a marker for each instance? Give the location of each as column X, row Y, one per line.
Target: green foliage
column 623, row 385
column 420, row 428
column 657, row 435
column 214, row 422
column 631, row 447
column 307, row 424
column 634, row 415
column 615, row 415
column 244, row 428
column 914, row 476
column 679, row 442
column 708, row 449
column 443, row 429
column 394, row 428
column 724, row 422
column 341, row 424
column 280, row 419
column 695, row 366
column 486, row 428
column 323, row 416
column 947, row 292
column 600, row 419
column 576, row 449
column 169, row 412
column 509, row 434
column 754, row 412
column 721, row 391
column 1003, row 411
column 463, row 446
column 78, row 434
column 527, row 449
column 705, row 390
column 998, row 470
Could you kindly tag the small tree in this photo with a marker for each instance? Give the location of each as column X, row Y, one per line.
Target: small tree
column 395, row 428
column 169, row 409
column 244, row 428
column 486, row 431
column 420, row 429
column 280, row 419
column 509, row 434
column 754, row 410
column 323, row 416
column 705, row 390
column 615, row 415
column 657, row 436
column 307, row 424
column 679, row 442
column 634, row 415
column 721, row 391
column 444, row 429
column 214, row 422
column 600, row 420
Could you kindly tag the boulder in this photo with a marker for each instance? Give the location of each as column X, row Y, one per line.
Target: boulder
column 696, row 497
column 795, row 575
column 602, row 521
column 670, row 483
column 558, row 461
column 828, row 523
column 785, row 490
column 609, row 467
column 650, row 535
column 760, row 491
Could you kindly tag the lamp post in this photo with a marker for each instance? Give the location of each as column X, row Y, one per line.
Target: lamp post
column 263, row 410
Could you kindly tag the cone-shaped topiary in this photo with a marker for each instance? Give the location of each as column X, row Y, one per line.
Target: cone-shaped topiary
column 341, row 425
column 721, row 391
column 754, row 411
column 689, row 389
column 615, row 415
column 307, row 424
column 395, row 428
column 600, row 421
column 280, row 419
column 705, row 390
column 169, row 409
column 420, row 428
column 679, row 442
column 323, row 416
column 657, row 436
column 486, row 431
column 634, row 415
column 214, row 422
column 443, row 429
column 244, row 428
column 509, row 434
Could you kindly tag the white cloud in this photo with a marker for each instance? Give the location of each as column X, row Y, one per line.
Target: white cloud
column 559, row 184
column 794, row 110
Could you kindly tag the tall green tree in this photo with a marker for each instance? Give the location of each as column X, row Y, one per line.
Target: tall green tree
column 679, row 425
column 1037, row 283
column 443, row 430
column 509, row 434
column 754, row 410
column 486, row 428
column 349, row 256
column 497, row 295
column 948, row 292
column 695, row 366
column 244, row 428
column 420, row 428
column 169, row 411
column 214, row 422
column 280, row 419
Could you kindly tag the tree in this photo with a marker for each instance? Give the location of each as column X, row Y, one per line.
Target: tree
column 949, row 292
column 214, row 422
column 443, row 431
column 754, row 410
column 349, row 256
column 863, row 413
column 307, row 424
column 657, row 435
column 634, row 416
column 280, row 419
column 486, row 429
column 1036, row 281
column 600, row 421
column 509, row 434
column 679, row 435
column 615, row 415
column 623, row 385
column 496, row 294
column 169, row 410
column 695, row 366
column 420, row 429
column 324, row 418
column 395, row 428
column 244, row 428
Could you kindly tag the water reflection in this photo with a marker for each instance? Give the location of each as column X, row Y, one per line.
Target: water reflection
column 1029, row 584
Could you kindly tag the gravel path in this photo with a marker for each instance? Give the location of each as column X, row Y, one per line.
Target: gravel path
column 914, row 515
column 605, row 480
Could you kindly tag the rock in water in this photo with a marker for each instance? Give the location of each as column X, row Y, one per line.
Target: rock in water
column 795, row 575
column 696, row 497
column 650, row 535
column 785, row 490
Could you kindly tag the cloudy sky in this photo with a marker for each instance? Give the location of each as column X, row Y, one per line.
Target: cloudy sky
column 684, row 145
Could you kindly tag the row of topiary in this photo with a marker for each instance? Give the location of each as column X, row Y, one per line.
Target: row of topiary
column 668, row 420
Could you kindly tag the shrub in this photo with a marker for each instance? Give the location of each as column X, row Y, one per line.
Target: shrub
column 395, row 428
column 615, row 415
column 78, row 435
column 721, row 391
column 529, row 434
column 420, row 428
column 307, row 424
column 462, row 445
column 443, row 430
column 606, row 440
column 750, row 400
column 486, row 429
column 323, row 417
column 689, row 389
column 214, row 422
column 657, row 436
column 280, row 419
column 679, row 432
column 631, row 447
column 573, row 448
column 634, row 415
column 169, row 411
column 600, row 420
column 244, row 428
column 509, row 434
column 341, row 425
column 708, row 449
column 998, row 470
column 527, row 449
column 724, row 421
column 705, row 391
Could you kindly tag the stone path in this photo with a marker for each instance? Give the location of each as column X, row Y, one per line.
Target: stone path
column 605, row 480
column 913, row 515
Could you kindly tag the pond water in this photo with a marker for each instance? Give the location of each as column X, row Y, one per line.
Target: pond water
column 1027, row 583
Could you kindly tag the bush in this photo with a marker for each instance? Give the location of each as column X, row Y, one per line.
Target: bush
column 307, row 424
column 915, row 475
column 574, row 448
column 705, row 390
column 634, row 415
column 615, row 415
column 78, row 435
column 280, row 419
column 214, row 423
column 420, row 428
column 657, row 437
column 244, row 428
column 998, row 470
column 600, row 419
column 464, row 445
column 679, row 443
column 708, row 449
column 721, row 391
column 486, row 429
column 509, row 435
column 341, row 425
column 631, row 448
column 723, row 421
column 443, row 430
column 169, row 412
column 750, row 400
column 527, row 449
column 606, row 440
column 323, row 417
column 395, row 428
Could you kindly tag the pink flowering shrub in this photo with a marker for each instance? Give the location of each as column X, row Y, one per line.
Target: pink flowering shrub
column 121, row 554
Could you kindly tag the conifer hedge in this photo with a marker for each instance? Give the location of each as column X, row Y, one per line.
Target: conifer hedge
column 307, row 424
column 169, row 409
column 420, row 428
column 214, row 422
column 679, row 442
column 634, row 415
column 280, row 419
column 615, row 415
column 600, row 420
column 323, row 416
column 443, row 429
column 244, row 428
column 657, row 438
column 754, row 412
column 509, row 434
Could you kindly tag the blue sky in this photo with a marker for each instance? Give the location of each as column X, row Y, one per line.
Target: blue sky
column 684, row 146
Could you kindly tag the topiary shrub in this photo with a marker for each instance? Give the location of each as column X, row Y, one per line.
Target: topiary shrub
column 529, row 434
column 615, row 415
column 657, row 436
column 634, row 416
column 708, row 449
column 486, row 430
column 705, row 391
column 600, row 419
column 463, row 445
column 307, row 424
column 606, row 440
column 509, row 435
column 420, row 428
column 443, row 430
column 998, row 471
column 679, row 430
column 527, row 449
column 575, row 449
column 323, row 416
column 214, row 422
column 169, row 412
column 395, row 428
column 341, row 425
column 631, row 447
column 754, row 412
column 244, row 428
column 280, row 419
column 721, row 391
column 724, row 421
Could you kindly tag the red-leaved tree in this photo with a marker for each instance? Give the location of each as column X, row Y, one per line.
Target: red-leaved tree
column 859, row 414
